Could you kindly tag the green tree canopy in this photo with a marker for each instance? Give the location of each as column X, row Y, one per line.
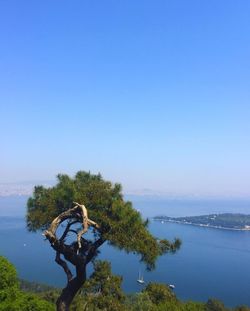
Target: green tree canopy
column 103, row 289
column 215, row 305
column 101, row 208
column 8, row 275
column 160, row 293
column 120, row 224
column 12, row 298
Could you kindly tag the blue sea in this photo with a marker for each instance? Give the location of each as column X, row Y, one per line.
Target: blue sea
column 211, row 262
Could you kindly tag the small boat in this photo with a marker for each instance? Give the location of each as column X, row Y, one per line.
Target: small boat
column 171, row 286
column 140, row 278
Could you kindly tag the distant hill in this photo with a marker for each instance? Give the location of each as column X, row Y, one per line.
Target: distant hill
column 221, row 221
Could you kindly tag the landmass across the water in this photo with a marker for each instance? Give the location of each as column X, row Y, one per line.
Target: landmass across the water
column 221, row 221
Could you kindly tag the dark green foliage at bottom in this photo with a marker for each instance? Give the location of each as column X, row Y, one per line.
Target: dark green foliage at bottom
column 12, row 298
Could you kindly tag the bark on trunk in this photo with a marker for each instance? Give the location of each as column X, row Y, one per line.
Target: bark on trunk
column 69, row 292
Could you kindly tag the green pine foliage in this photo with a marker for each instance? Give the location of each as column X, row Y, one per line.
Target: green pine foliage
column 8, row 275
column 12, row 298
column 120, row 224
column 159, row 293
column 103, row 289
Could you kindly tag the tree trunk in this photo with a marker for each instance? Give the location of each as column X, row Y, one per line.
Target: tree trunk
column 69, row 292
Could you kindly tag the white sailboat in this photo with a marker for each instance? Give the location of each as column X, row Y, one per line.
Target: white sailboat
column 140, row 278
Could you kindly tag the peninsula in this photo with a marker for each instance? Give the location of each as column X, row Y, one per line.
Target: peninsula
column 221, row 221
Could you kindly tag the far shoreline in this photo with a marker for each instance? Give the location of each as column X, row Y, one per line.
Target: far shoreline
column 200, row 225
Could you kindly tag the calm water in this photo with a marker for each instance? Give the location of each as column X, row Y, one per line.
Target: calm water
column 211, row 262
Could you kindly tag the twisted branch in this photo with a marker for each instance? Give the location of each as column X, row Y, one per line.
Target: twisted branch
column 64, row 265
column 67, row 230
column 86, row 222
column 80, row 213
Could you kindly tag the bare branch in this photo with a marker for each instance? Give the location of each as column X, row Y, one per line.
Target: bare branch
column 86, row 222
column 93, row 224
column 64, row 265
column 67, row 230
column 67, row 251
column 73, row 231
column 80, row 213
column 93, row 249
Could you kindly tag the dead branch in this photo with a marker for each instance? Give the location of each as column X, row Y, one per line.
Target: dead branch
column 86, row 222
column 80, row 213
column 67, row 230
column 93, row 249
column 64, row 265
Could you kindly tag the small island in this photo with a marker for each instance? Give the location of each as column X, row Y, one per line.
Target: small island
column 227, row 221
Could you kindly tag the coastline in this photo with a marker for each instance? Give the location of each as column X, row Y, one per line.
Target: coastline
column 200, row 225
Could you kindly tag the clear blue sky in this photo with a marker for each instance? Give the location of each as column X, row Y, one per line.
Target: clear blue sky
column 152, row 94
